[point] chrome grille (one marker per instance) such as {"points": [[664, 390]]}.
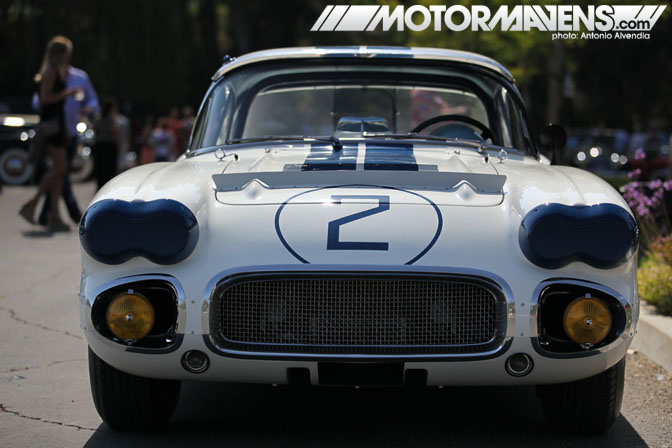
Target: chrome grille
{"points": [[357, 313]]}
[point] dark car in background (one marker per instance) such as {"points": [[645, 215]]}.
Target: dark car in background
{"points": [[17, 128], [601, 151], [613, 153], [18, 123]]}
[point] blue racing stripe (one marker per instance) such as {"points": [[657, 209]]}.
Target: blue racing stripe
{"points": [[390, 156], [324, 158]]}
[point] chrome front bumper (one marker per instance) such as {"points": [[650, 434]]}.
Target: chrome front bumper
{"points": [[226, 365]]}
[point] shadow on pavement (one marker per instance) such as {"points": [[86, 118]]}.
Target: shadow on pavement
{"points": [[44, 233], [249, 415]]}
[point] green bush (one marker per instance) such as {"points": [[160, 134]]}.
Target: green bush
{"points": [[655, 283], [662, 247]]}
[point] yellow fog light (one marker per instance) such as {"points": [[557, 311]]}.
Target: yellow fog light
{"points": [[587, 320], [130, 316]]}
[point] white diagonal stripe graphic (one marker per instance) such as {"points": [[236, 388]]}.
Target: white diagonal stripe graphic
{"points": [[334, 17], [627, 13], [357, 17], [646, 12], [656, 15], [323, 16]]}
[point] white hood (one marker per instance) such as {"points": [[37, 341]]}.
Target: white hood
{"points": [[444, 176]]}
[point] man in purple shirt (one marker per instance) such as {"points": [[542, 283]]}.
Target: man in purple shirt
{"points": [[76, 106]]}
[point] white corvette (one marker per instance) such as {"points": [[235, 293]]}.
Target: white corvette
{"points": [[360, 216]]}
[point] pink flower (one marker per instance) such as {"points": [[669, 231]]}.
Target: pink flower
{"points": [[640, 154], [667, 185], [655, 184], [635, 173]]}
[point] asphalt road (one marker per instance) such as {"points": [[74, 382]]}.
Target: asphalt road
{"points": [[45, 398]]}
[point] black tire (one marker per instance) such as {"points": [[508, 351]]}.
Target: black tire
{"points": [[15, 166], [128, 402], [588, 406]]}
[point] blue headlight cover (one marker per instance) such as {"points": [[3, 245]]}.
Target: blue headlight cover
{"points": [[113, 231], [602, 235]]}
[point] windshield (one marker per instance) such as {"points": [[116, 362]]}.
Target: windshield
{"points": [[283, 100]]}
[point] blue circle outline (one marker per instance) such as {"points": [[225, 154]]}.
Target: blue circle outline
{"points": [[422, 253]]}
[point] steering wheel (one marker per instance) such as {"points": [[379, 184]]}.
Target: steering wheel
{"points": [[486, 133]]}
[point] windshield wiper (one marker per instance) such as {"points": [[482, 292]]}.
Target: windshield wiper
{"points": [[335, 142], [411, 136], [481, 147], [265, 138]]}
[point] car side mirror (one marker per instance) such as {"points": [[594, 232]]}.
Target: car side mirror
{"points": [[552, 138]]}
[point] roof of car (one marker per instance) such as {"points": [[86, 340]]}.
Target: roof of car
{"points": [[432, 54]]}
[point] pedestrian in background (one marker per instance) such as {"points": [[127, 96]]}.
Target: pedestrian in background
{"points": [[145, 141], [124, 125], [163, 141], [108, 141], [175, 129], [83, 107], [52, 92], [188, 120]]}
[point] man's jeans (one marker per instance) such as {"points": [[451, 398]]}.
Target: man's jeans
{"points": [[68, 196]]}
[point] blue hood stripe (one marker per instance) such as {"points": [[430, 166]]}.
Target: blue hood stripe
{"points": [[378, 157], [324, 158], [390, 156]]}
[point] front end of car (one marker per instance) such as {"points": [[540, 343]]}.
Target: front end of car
{"points": [[359, 261], [253, 288]]}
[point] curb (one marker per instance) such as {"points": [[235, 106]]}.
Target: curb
{"points": [[654, 336]]}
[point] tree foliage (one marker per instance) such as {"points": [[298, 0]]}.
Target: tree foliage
{"points": [[159, 53]]}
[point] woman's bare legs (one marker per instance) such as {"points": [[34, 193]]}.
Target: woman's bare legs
{"points": [[58, 173], [52, 183]]}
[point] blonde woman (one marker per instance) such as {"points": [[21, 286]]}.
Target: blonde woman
{"points": [[53, 92]]}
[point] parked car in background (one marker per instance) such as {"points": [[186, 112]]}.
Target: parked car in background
{"points": [[613, 153], [17, 128], [360, 216], [601, 151]]}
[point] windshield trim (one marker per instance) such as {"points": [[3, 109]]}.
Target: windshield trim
{"points": [[475, 146], [359, 52], [533, 150]]}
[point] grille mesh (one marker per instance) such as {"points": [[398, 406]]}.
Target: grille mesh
{"points": [[357, 313]]}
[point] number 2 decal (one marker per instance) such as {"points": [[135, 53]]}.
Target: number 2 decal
{"points": [[334, 227]]}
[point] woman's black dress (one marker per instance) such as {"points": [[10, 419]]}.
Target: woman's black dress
{"points": [[55, 111]]}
